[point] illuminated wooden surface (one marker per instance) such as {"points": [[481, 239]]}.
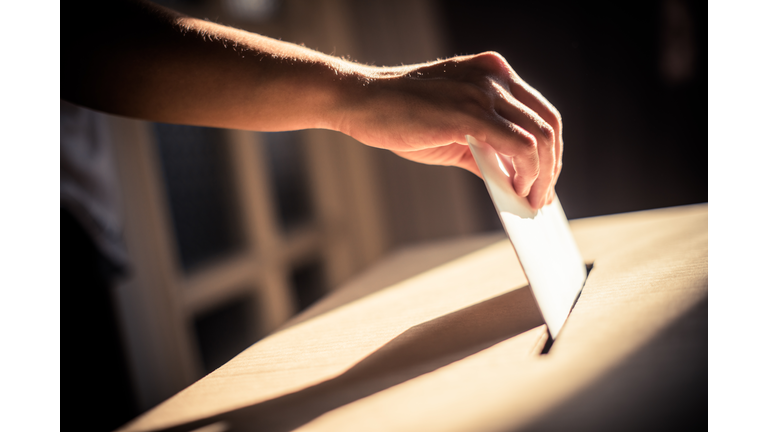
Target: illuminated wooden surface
{"points": [[456, 347]]}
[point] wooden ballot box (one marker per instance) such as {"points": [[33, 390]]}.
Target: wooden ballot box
{"points": [[447, 337]]}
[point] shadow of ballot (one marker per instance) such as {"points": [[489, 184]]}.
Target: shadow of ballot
{"points": [[419, 350]]}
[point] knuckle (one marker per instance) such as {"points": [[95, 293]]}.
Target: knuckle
{"points": [[494, 62], [536, 170], [489, 56], [527, 168], [493, 55], [549, 133], [551, 116], [529, 142]]}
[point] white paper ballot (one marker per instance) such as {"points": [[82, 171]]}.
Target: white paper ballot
{"points": [[542, 239]]}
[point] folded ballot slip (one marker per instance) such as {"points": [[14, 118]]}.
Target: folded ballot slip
{"points": [[542, 239]]}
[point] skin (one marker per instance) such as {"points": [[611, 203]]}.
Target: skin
{"points": [[144, 61]]}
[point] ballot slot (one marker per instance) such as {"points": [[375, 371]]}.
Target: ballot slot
{"points": [[550, 341]]}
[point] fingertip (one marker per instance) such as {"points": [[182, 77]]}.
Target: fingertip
{"points": [[533, 202], [534, 199], [522, 187]]}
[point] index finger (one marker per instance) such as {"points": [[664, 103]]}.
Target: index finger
{"points": [[519, 145]]}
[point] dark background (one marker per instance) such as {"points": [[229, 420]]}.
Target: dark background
{"points": [[629, 79]]}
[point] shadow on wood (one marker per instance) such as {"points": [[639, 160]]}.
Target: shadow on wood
{"points": [[409, 262], [417, 351]]}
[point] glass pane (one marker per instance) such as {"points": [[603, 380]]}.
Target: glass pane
{"points": [[308, 283], [200, 191], [290, 181], [224, 332]]}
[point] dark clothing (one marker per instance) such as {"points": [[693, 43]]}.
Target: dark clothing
{"points": [[88, 179], [95, 366]]}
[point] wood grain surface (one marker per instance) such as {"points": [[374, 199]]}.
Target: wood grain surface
{"points": [[447, 337]]}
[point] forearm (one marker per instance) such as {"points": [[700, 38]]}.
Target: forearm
{"points": [[150, 63], [139, 60]]}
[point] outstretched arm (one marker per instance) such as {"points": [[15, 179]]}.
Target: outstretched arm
{"points": [[136, 59]]}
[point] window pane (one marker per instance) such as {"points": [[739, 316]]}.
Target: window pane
{"points": [[308, 283], [200, 192], [224, 332], [290, 182]]}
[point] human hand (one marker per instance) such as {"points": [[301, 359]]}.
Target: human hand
{"points": [[201, 73], [423, 113]]}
